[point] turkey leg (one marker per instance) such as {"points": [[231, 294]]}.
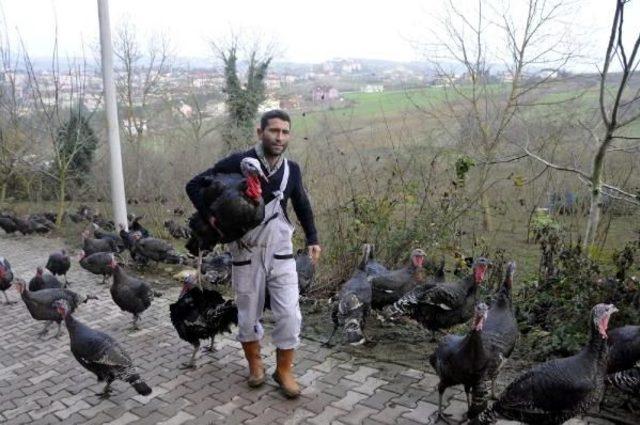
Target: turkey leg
{"points": [[57, 335], [44, 331], [191, 364], [210, 348], [106, 392], [7, 298]]}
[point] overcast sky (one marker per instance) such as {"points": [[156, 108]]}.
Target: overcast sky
{"points": [[306, 31]]}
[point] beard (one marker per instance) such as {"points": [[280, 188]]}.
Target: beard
{"points": [[273, 149]]}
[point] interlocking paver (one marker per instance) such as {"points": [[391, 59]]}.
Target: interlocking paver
{"points": [[42, 383]]}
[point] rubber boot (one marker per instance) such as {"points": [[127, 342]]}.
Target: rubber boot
{"points": [[256, 368], [284, 374]]}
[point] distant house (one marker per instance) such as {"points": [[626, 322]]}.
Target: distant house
{"points": [[290, 103], [324, 94], [268, 105], [372, 88]]}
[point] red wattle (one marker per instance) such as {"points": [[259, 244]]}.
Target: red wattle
{"points": [[254, 190]]}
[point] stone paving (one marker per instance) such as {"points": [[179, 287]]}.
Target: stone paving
{"points": [[41, 382]]}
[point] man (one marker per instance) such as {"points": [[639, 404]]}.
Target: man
{"points": [[269, 264]]}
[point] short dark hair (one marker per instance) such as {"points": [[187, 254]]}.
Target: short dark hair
{"points": [[274, 113]]}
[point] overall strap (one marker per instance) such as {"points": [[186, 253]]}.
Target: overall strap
{"points": [[285, 179]]}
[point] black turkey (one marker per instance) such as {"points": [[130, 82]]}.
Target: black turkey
{"points": [[627, 381], [462, 359], [177, 230], [305, 269], [130, 239], [6, 277], [499, 336], [155, 249], [624, 359], [100, 233], [98, 263], [129, 293], [8, 223], [234, 204], [557, 390], [624, 348], [442, 305], [43, 280], [40, 303], [100, 354], [354, 300], [369, 264], [216, 268], [91, 245], [389, 287], [201, 314], [59, 264]]}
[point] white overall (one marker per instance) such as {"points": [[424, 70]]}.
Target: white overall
{"points": [[271, 264]]}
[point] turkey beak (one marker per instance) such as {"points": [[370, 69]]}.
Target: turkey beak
{"points": [[264, 177]]}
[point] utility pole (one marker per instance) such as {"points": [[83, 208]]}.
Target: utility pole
{"points": [[118, 199]]}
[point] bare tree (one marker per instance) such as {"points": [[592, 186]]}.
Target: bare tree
{"points": [[480, 104], [618, 110], [142, 66], [57, 105], [13, 131]]}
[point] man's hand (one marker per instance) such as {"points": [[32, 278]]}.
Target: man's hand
{"points": [[314, 253]]}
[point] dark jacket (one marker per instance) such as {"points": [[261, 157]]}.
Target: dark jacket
{"points": [[294, 190]]}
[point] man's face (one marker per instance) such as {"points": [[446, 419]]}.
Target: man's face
{"points": [[275, 137]]}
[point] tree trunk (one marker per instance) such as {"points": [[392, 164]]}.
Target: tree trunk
{"points": [[595, 208], [487, 222], [61, 202], [3, 192]]}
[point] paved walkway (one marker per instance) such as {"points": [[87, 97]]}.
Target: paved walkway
{"points": [[41, 382]]}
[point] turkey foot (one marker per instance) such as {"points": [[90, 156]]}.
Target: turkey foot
{"points": [[440, 417], [59, 333], [191, 364], [210, 348], [106, 392], [44, 331]]}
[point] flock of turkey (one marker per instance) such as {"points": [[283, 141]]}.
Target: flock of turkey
{"points": [[548, 393]]}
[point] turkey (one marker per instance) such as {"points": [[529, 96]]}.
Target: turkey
{"points": [[177, 230], [40, 303], [624, 359], [501, 329], [462, 359], [305, 270], [442, 305], [156, 249], [354, 300], [6, 277], [91, 245], [8, 223], [235, 205], [99, 353], [624, 348], [59, 264], [135, 226], [98, 263], [100, 233], [43, 281], [369, 264], [627, 381], [389, 287], [130, 294], [40, 223], [557, 390], [201, 314], [216, 268], [129, 240]]}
